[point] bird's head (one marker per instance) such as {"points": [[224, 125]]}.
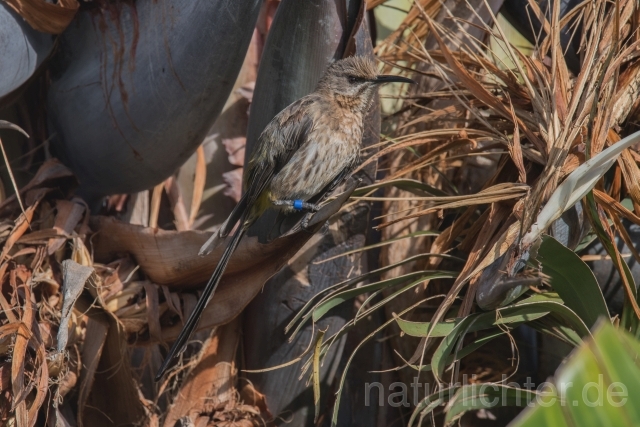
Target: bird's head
{"points": [[355, 80]]}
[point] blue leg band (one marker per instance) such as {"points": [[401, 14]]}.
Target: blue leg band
{"points": [[297, 204]]}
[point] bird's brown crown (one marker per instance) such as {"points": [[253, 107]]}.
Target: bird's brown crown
{"points": [[350, 80], [362, 67]]}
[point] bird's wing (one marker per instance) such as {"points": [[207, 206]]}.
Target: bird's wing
{"points": [[284, 134], [282, 137]]}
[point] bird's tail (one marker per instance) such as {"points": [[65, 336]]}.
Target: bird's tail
{"points": [[208, 292]]}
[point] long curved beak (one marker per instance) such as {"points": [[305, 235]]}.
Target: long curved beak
{"points": [[391, 79]]}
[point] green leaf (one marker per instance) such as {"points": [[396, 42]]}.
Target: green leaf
{"points": [[515, 315], [586, 241], [629, 320], [509, 314], [573, 280], [553, 326], [420, 329], [316, 374], [485, 396], [548, 416], [482, 321], [306, 312], [431, 402], [583, 391], [465, 351], [322, 308], [382, 303]]}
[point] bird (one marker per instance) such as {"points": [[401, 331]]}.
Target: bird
{"points": [[307, 150]]}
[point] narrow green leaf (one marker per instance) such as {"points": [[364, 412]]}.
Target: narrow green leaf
{"points": [[343, 296], [316, 374], [573, 280], [485, 396], [431, 402], [509, 314], [465, 351], [336, 406], [420, 329], [515, 314], [543, 416], [382, 303], [306, 312], [550, 325]]}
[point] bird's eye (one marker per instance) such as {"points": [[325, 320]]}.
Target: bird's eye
{"points": [[354, 79]]}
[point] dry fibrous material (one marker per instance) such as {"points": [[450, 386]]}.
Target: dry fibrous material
{"points": [[476, 151], [535, 122], [67, 323]]}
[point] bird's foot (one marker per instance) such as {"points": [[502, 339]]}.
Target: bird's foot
{"points": [[298, 205]]}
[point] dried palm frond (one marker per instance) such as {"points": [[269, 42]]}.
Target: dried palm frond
{"points": [[546, 119], [483, 153]]}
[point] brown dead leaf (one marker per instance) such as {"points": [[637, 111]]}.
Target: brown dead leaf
{"points": [[22, 225], [173, 301], [68, 216], [497, 215], [171, 258], [51, 173], [26, 417], [492, 194], [614, 206], [627, 92], [74, 276], [96, 334], [115, 396], [515, 149], [253, 397], [631, 174], [211, 383]]}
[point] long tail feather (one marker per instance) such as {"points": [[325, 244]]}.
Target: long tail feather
{"points": [[193, 319], [236, 215]]}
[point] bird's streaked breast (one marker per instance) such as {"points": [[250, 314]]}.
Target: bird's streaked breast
{"points": [[331, 146]]}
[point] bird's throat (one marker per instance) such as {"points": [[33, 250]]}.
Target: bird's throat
{"points": [[353, 103]]}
